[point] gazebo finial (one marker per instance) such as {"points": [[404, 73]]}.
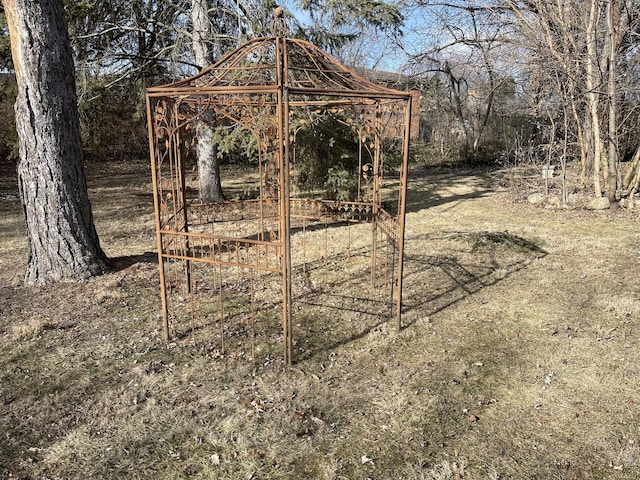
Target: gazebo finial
{"points": [[279, 26]]}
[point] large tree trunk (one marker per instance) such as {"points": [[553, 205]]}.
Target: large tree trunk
{"points": [[63, 243], [207, 151]]}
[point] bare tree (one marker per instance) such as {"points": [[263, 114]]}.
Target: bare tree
{"points": [[468, 52], [585, 42], [613, 30], [582, 51], [63, 242]]}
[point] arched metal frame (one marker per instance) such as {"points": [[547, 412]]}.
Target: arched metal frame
{"points": [[269, 86]]}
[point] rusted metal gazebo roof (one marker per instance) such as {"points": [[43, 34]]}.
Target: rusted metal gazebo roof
{"points": [[273, 62]]}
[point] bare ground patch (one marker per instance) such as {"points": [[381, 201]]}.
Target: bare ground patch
{"points": [[519, 358]]}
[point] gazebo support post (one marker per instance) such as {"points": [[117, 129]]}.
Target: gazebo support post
{"points": [[375, 200], [284, 196], [402, 209], [156, 210]]}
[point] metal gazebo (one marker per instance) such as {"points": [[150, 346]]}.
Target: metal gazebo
{"points": [[270, 88]]}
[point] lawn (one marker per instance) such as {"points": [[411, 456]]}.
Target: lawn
{"points": [[519, 357]]}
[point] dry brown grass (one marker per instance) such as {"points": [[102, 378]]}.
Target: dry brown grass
{"points": [[519, 358]]}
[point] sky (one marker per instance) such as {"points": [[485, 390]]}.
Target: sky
{"points": [[379, 54]]}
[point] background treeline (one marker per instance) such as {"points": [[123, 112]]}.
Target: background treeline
{"points": [[502, 82], [534, 82]]}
